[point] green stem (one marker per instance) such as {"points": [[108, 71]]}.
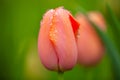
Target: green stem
{"points": [[60, 76]]}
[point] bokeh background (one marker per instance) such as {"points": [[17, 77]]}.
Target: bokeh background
{"points": [[19, 27]]}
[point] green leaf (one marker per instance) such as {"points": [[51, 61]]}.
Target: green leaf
{"points": [[112, 18], [113, 26]]}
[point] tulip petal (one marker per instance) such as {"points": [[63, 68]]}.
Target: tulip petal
{"points": [[98, 19], [75, 24], [45, 47], [64, 40]]}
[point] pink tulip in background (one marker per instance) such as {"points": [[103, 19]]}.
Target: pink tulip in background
{"points": [[90, 46], [56, 42]]}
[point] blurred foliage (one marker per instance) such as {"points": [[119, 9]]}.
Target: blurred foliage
{"points": [[19, 27]]}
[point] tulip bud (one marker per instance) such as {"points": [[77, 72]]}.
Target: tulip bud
{"points": [[56, 42], [90, 46]]}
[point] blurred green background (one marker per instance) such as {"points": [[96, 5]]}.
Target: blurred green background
{"points": [[19, 27]]}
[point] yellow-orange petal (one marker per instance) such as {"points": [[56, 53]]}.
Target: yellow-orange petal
{"points": [[98, 19]]}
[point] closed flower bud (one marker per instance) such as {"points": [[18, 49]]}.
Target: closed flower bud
{"points": [[56, 42], [90, 46]]}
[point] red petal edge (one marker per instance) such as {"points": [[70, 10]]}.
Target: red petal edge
{"points": [[74, 23]]}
